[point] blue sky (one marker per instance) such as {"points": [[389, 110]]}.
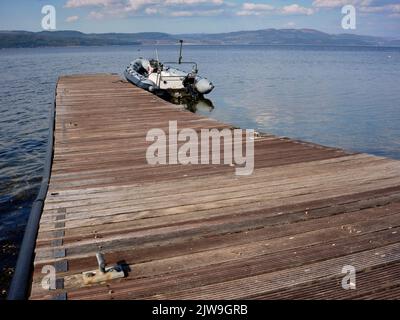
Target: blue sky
{"points": [[374, 17]]}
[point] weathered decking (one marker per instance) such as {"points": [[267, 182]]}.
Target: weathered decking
{"points": [[200, 232]]}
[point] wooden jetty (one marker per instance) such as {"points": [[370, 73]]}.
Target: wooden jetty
{"points": [[200, 231]]}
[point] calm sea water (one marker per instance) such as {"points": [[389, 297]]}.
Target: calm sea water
{"points": [[344, 97]]}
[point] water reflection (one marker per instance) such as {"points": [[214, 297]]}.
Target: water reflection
{"points": [[201, 105]]}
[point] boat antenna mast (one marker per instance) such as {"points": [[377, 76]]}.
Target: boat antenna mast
{"points": [[180, 52]]}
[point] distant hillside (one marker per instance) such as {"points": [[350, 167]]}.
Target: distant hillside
{"points": [[289, 37], [24, 39]]}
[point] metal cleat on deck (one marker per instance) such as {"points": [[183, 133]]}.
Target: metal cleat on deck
{"points": [[103, 274]]}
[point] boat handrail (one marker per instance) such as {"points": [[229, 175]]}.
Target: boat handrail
{"points": [[174, 62]]}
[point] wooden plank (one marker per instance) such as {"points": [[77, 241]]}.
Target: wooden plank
{"points": [[199, 231]]}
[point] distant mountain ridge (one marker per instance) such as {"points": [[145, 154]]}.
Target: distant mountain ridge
{"points": [[26, 39]]}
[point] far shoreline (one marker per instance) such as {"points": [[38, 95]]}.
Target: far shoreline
{"points": [[209, 45]]}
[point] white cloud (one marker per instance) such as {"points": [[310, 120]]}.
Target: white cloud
{"points": [[340, 3], [95, 15], [248, 13], [192, 2], [257, 9], [188, 8], [135, 5], [72, 19], [296, 9], [393, 10], [201, 13], [129, 5], [372, 9], [88, 3], [364, 6], [254, 9], [176, 8], [151, 11], [182, 14]]}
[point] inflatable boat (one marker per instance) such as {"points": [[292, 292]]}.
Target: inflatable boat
{"points": [[159, 78]]}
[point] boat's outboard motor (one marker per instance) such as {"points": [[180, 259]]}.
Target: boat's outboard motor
{"points": [[189, 82], [196, 85]]}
